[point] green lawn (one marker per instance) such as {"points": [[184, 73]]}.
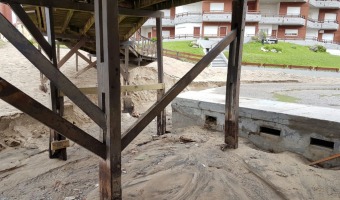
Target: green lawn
{"points": [[182, 46], [292, 54]]}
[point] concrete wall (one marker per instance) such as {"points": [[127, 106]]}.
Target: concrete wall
{"points": [[274, 126]]}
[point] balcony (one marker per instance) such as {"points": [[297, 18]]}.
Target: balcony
{"points": [[217, 16], [297, 20], [188, 17], [166, 22], [335, 4], [253, 16], [323, 25], [226, 16]]}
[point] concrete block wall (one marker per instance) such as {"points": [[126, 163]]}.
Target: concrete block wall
{"points": [[313, 132]]}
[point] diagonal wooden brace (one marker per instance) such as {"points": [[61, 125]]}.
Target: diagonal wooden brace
{"points": [[152, 112], [47, 68], [36, 110], [72, 51]]}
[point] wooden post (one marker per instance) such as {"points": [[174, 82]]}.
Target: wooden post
{"points": [[127, 102], [161, 118], [234, 72], [58, 51], [77, 62], [57, 102], [108, 66]]}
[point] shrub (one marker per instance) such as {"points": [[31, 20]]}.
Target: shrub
{"points": [[154, 39], [317, 48], [273, 48], [206, 38]]}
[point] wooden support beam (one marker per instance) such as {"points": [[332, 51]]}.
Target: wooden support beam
{"points": [[135, 28], [88, 25], [234, 73], [67, 20], [72, 51], [325, 159], [147, 3], [47, 68], [67, 4], [73, 5], [152, 112], [108, 71], [79, 54], [92, 64], [161, 118], [57, 102], [36, 110], [34, 31], [140, 13]]}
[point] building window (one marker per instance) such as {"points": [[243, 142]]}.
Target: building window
{"points": [[293, 10], [216, 7], [291, 32], [330, 17]]}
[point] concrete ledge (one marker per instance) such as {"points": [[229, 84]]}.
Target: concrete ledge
{"points": [[311, 131]]}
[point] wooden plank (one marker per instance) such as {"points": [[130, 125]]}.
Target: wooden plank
{"points": [[47, 68], [108, 58], [88, 25], [135, 88], [325, 159], [124, 88], [34, 31], [67, 20], [36, 110], [234, 73], [152, 112], [161, 118], [62, 144]]}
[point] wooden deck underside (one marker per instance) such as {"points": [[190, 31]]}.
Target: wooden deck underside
{"points": [[72, 24]]}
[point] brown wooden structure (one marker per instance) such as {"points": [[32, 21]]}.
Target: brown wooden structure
{"points": [[101, 27]]}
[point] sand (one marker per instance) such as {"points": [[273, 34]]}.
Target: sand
{"points": [[152, 168]]}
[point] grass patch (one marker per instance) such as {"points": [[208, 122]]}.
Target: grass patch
{"points": [[285, 98], [182, 46], [292, 54]]}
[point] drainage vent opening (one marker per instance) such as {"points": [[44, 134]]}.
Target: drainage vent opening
{"points": [[270, 131], [322, 143], [210, 121]]}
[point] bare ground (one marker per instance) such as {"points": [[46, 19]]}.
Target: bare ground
{"points": [[153, 167]]}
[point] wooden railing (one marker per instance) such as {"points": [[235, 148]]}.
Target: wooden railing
{"points": [[182, 55], [143, 45]]}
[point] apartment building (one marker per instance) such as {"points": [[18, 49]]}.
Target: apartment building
{"points": [[283, 19], [6, 11]]}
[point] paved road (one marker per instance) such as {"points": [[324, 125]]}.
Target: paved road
{"points": [[319, 94]]}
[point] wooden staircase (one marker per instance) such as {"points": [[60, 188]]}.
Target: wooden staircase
{"points": [[141, 49]]}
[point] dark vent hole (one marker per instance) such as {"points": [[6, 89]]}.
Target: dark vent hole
{"points": [[210, 121], [270, 131], [322, 143]]}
